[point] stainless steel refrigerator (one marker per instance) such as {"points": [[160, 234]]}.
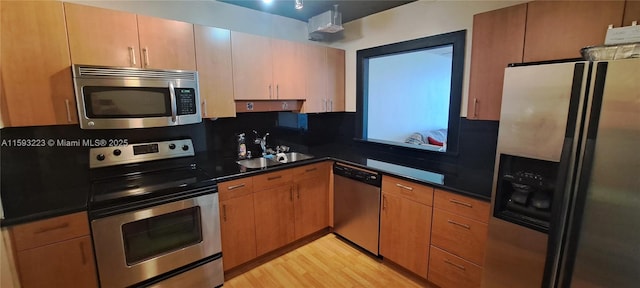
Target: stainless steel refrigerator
{"points": [[566, 193]]}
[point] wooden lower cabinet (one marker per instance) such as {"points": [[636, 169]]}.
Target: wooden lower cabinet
{"points": [[448, 270], [405, 228], [237, 226], [311, 203], [55, 252], [274, 216], [63, 264]]}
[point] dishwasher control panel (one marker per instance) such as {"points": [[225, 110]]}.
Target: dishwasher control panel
{"points": [[369, 177]]}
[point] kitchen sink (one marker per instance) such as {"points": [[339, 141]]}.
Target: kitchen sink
{"points": [[257, 162], [273, 160], [293, 157]]}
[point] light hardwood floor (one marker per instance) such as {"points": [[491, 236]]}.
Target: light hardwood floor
{"points": [[326, 262]]}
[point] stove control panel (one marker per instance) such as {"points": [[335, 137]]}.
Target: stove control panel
{"points": [[139, 152]]}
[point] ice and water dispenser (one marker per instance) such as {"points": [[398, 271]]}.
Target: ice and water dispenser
{"points": [[525, 191]]}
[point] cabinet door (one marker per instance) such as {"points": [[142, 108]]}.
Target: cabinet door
{"points": [[36, 75], [252, 67], [166, 44], [631, 12], [312, 200], [237, 228], [213, 59], [274, 218], [559, 29], [63, 264], [102, 37], [335, 83], [490, 55], [405, 227], [289, 73], [317, 77]]}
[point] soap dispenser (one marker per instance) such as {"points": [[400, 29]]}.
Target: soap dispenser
{"points": [[242, 147]]}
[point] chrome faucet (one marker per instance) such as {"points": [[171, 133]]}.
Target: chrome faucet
{"points": [[262, 141]]}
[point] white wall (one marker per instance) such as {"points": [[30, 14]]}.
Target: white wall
{"points": [[212, 13], [414, 20]]}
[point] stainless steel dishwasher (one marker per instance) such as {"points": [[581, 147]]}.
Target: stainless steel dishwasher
{"points": [[357, 206]]}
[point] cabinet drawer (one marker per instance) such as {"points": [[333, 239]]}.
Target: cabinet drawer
{"points": [[459, 235], [449, 271], [270, 180], [461, 205], [408, 189], [311, 171], [235, 188], [49, 231]]}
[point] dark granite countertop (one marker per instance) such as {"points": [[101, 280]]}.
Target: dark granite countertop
{"points": [[53, 193]]}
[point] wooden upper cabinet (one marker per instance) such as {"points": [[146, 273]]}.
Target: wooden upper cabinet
{"points": [[113, 38], [102, 37], [559, 29], [317, 77], [631, 12], [36, 75], [289, 78], [213, 59], [498, 39], [166, 44], [335, 77], [252, 66]]}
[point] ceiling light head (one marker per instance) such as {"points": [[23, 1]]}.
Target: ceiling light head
{"points": [[299, 4], [267, 1]]}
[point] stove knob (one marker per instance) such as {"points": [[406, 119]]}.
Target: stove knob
{"points": [[100, 157], [117, 152], [172, 146], [185, 147]]}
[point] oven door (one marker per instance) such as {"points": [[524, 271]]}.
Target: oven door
{"points": [[139, 245]]}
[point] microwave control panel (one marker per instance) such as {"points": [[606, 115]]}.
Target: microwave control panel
{"points": [[186, 101]]}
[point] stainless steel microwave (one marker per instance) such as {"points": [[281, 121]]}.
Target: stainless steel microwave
{"points": [[120, 98]]}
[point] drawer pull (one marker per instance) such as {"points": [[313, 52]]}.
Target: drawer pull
{"points": [[291, 194], [235, 186], [274, 177], [47, 229], [84, 257], [404, 187], [454, 264], [454, 201], [311, 169], [459, 224]]}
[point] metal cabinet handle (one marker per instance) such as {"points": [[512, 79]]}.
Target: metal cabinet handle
{"points": [[66, 103], [82, 254], [325, 103], [454, 264], [291, 194], [204, 107], [454, 201], [330, 105], [274, 177], [311, 169], [384, 202], [404, 187], [270, 94], [459, 224], [47, 229], [235, 186], [475, 106], [277, 91], [174, 107], [145, 53], [298, 191], [132, 52], [224, 212]]}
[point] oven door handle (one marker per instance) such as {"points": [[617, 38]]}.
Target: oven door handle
{"points": [[174, 105]]}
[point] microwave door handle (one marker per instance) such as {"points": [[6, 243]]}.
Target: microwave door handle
{"points": [[174, 108]]}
